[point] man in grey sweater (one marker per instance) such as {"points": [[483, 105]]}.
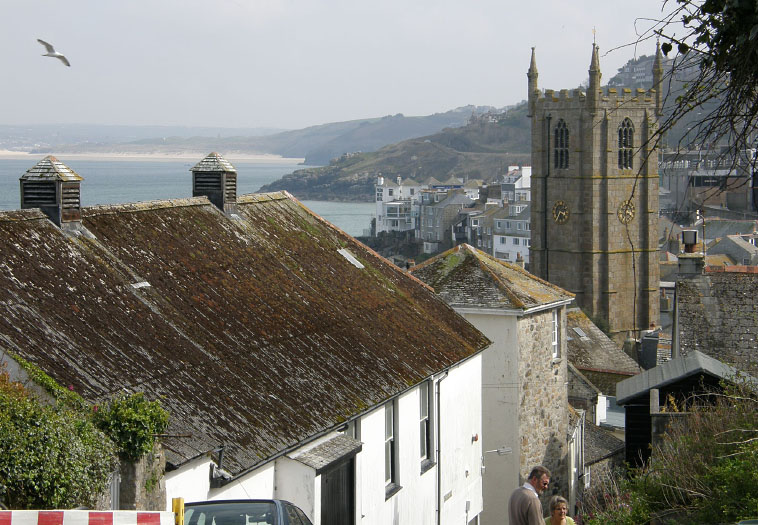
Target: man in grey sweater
{"points": [[524, 507]]}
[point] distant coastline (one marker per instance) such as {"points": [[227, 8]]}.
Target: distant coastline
{"points": [[248, 157]]}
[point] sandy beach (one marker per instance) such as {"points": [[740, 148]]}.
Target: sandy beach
{"points": [[244, 157]]}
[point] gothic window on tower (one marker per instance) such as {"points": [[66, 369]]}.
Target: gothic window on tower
{"points": [[626, 144], [561, 145]]}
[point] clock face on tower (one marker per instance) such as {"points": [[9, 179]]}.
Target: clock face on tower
{"points": [[560, 212], [626, 212]]}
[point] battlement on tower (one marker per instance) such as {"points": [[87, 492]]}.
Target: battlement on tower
{"points": [[609, 97]]}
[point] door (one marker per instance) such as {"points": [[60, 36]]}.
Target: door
{"points": [[338, 494]]}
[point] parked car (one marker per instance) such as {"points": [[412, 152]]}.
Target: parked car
{"points": [[244, 512]]}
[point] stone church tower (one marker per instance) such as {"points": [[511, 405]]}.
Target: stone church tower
{"points": [[594, 213]]}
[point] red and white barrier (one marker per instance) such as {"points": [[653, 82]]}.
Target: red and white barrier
{"points": [[85, 517]]}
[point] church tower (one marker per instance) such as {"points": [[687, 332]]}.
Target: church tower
{"points": [[594, 215]]}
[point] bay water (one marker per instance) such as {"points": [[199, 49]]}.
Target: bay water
{"points": [[117, 181]]}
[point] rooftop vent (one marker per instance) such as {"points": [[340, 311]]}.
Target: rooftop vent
{"points": [[54, 188], [214, 177]]}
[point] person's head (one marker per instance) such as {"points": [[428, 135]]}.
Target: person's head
{"points": [[558, 508], [539, 478]]}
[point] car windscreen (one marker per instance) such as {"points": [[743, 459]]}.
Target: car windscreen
{"points": [[242, 513]]}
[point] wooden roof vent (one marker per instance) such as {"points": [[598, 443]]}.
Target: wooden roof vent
{"points": [[55, 189], [214, 177]]}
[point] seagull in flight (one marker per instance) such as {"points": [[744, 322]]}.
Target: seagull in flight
{"points": [[51, 52]]}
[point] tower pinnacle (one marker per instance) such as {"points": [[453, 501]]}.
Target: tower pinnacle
{"points": [[532, 84]]}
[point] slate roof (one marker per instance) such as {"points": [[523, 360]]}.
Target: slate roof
{"points": [[51, 168], [722, 227], [718, 315], [214, 162], [675, 370], [593, 353], [599, 444], [254, 333], [466, 277], [452, 200]]}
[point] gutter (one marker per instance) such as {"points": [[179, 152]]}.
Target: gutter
{"points": [[544, 202], [438, 396]]}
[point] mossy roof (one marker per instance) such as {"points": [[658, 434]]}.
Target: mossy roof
{"points": [[595, 354], [466, 277], [254, 332]]}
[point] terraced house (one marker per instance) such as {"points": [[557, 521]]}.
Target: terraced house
{"points": [[294, 361]]}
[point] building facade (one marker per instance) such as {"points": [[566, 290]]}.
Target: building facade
{"points": [[594, 203]]}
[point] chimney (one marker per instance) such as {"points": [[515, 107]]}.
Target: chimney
{"points": [[399, 180], [214, 177], [691, 262], [54, 188]]}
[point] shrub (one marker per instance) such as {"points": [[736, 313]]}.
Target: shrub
{"points": [[133, 423], [50, 456]]}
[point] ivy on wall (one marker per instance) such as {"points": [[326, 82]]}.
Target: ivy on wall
{"points": [[132, 422], [50, 456], [61, 455]]}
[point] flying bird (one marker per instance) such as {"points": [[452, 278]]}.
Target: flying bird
{"points": [[51, 52]]}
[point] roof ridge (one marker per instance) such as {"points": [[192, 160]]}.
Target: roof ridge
{"points": [[158, 204]]}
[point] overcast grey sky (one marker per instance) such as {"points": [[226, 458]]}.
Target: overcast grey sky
{"points": [[294, 63]]}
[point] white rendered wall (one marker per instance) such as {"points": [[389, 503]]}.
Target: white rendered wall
{"points": [[500, 422], [416, 502], [461, 442], [297, 484], [191, 481], [257, 484]]}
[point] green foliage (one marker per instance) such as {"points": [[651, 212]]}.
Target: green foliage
{"points": [[718, 55], [63, 395], [50, 457], [132, 422], [705, 470]]}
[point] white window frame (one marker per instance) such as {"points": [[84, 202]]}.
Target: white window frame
{"points": [[555, 346], [390, 444]]}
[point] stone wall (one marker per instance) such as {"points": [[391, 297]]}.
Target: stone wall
{"points": [[543, 401], [718, 316], [142, 483]]}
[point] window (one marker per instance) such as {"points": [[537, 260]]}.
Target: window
{"points": [[508, 224], [527, 242], [527, 225], [425, 426], [515, 241], [389, 192], [413, 191], [626, 144], [518, 225], [499, 224], [561, 145], [390, 447], [474, 222], [556, 354], [502, 240]]}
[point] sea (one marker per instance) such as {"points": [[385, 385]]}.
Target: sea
{"points": [[117, 181]]}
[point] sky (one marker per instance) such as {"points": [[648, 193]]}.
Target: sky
{"points": [[296, 63]]}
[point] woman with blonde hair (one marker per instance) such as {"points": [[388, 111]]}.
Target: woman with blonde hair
{"points": [[558, 510]]}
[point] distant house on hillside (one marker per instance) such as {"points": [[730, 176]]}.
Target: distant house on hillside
{"points": [[295, 363], [524, 396], [739, 251]]}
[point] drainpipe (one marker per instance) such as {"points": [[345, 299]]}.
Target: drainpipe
{"points": [[544, 202], [439, 448]]}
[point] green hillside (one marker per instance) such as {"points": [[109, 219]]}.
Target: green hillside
{"points": [[482, 149]]}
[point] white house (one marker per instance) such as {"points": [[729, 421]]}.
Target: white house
{"points": [[294, 361], [524, 371]]}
